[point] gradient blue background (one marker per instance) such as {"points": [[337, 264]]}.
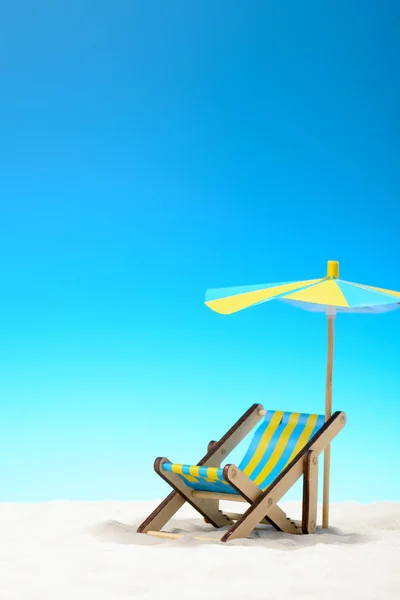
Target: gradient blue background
{"points": [[151, 150]]}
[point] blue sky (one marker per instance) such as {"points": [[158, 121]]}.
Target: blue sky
{"points": [[149, 151]]}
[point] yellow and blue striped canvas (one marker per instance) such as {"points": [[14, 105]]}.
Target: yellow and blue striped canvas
{"points": [[278, 439]]}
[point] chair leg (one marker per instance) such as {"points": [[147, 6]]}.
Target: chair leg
{"points": [[263, 506], [163, 513], [251, 492], [310, 492], [210, 446]]}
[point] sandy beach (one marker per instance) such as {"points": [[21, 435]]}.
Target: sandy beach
{"points": [[91, 551]]}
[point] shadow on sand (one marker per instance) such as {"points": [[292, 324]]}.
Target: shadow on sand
{"points": [[115, 532]]}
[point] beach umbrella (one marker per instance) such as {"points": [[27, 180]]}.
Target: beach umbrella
{"points": [[329, 295]]}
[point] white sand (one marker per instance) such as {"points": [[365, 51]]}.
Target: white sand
{"points": [[90, 551]]}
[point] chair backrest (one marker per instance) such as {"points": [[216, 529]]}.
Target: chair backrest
{"points": [[276, 442]]}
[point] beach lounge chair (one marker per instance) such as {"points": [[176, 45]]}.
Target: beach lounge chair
{"points": [[284, 447]]}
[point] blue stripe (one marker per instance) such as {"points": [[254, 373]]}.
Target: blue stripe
{"points": [[203, 472], [360, 297], [318, 425], [256, 440], [186, 469], [290, 447], [215, 486], [271, 446]]}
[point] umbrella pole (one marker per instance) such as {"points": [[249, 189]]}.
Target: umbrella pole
{"points": [[328, 413]]}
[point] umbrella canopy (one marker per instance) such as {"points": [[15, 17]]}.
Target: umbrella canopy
{"points": [[316, 295], [330, 295]]}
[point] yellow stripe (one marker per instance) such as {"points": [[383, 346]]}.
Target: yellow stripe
{"points": [[175, 468], [231, 304], [327, 292], [189, 478], [279, 448], [304, 437], [263, 444], [212, 474], [194, 471]]}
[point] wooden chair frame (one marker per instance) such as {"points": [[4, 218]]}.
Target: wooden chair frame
{"points": [[263, 503]]}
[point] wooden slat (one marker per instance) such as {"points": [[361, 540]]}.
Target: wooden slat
{"points": [[217, 496], [236, 516], [175, 536], [310, 492], [165, 534]]}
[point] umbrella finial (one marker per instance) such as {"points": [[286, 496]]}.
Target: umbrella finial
{"points": [[333, 269]]}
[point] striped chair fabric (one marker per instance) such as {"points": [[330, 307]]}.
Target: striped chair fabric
{"points": [[279, 438]]}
